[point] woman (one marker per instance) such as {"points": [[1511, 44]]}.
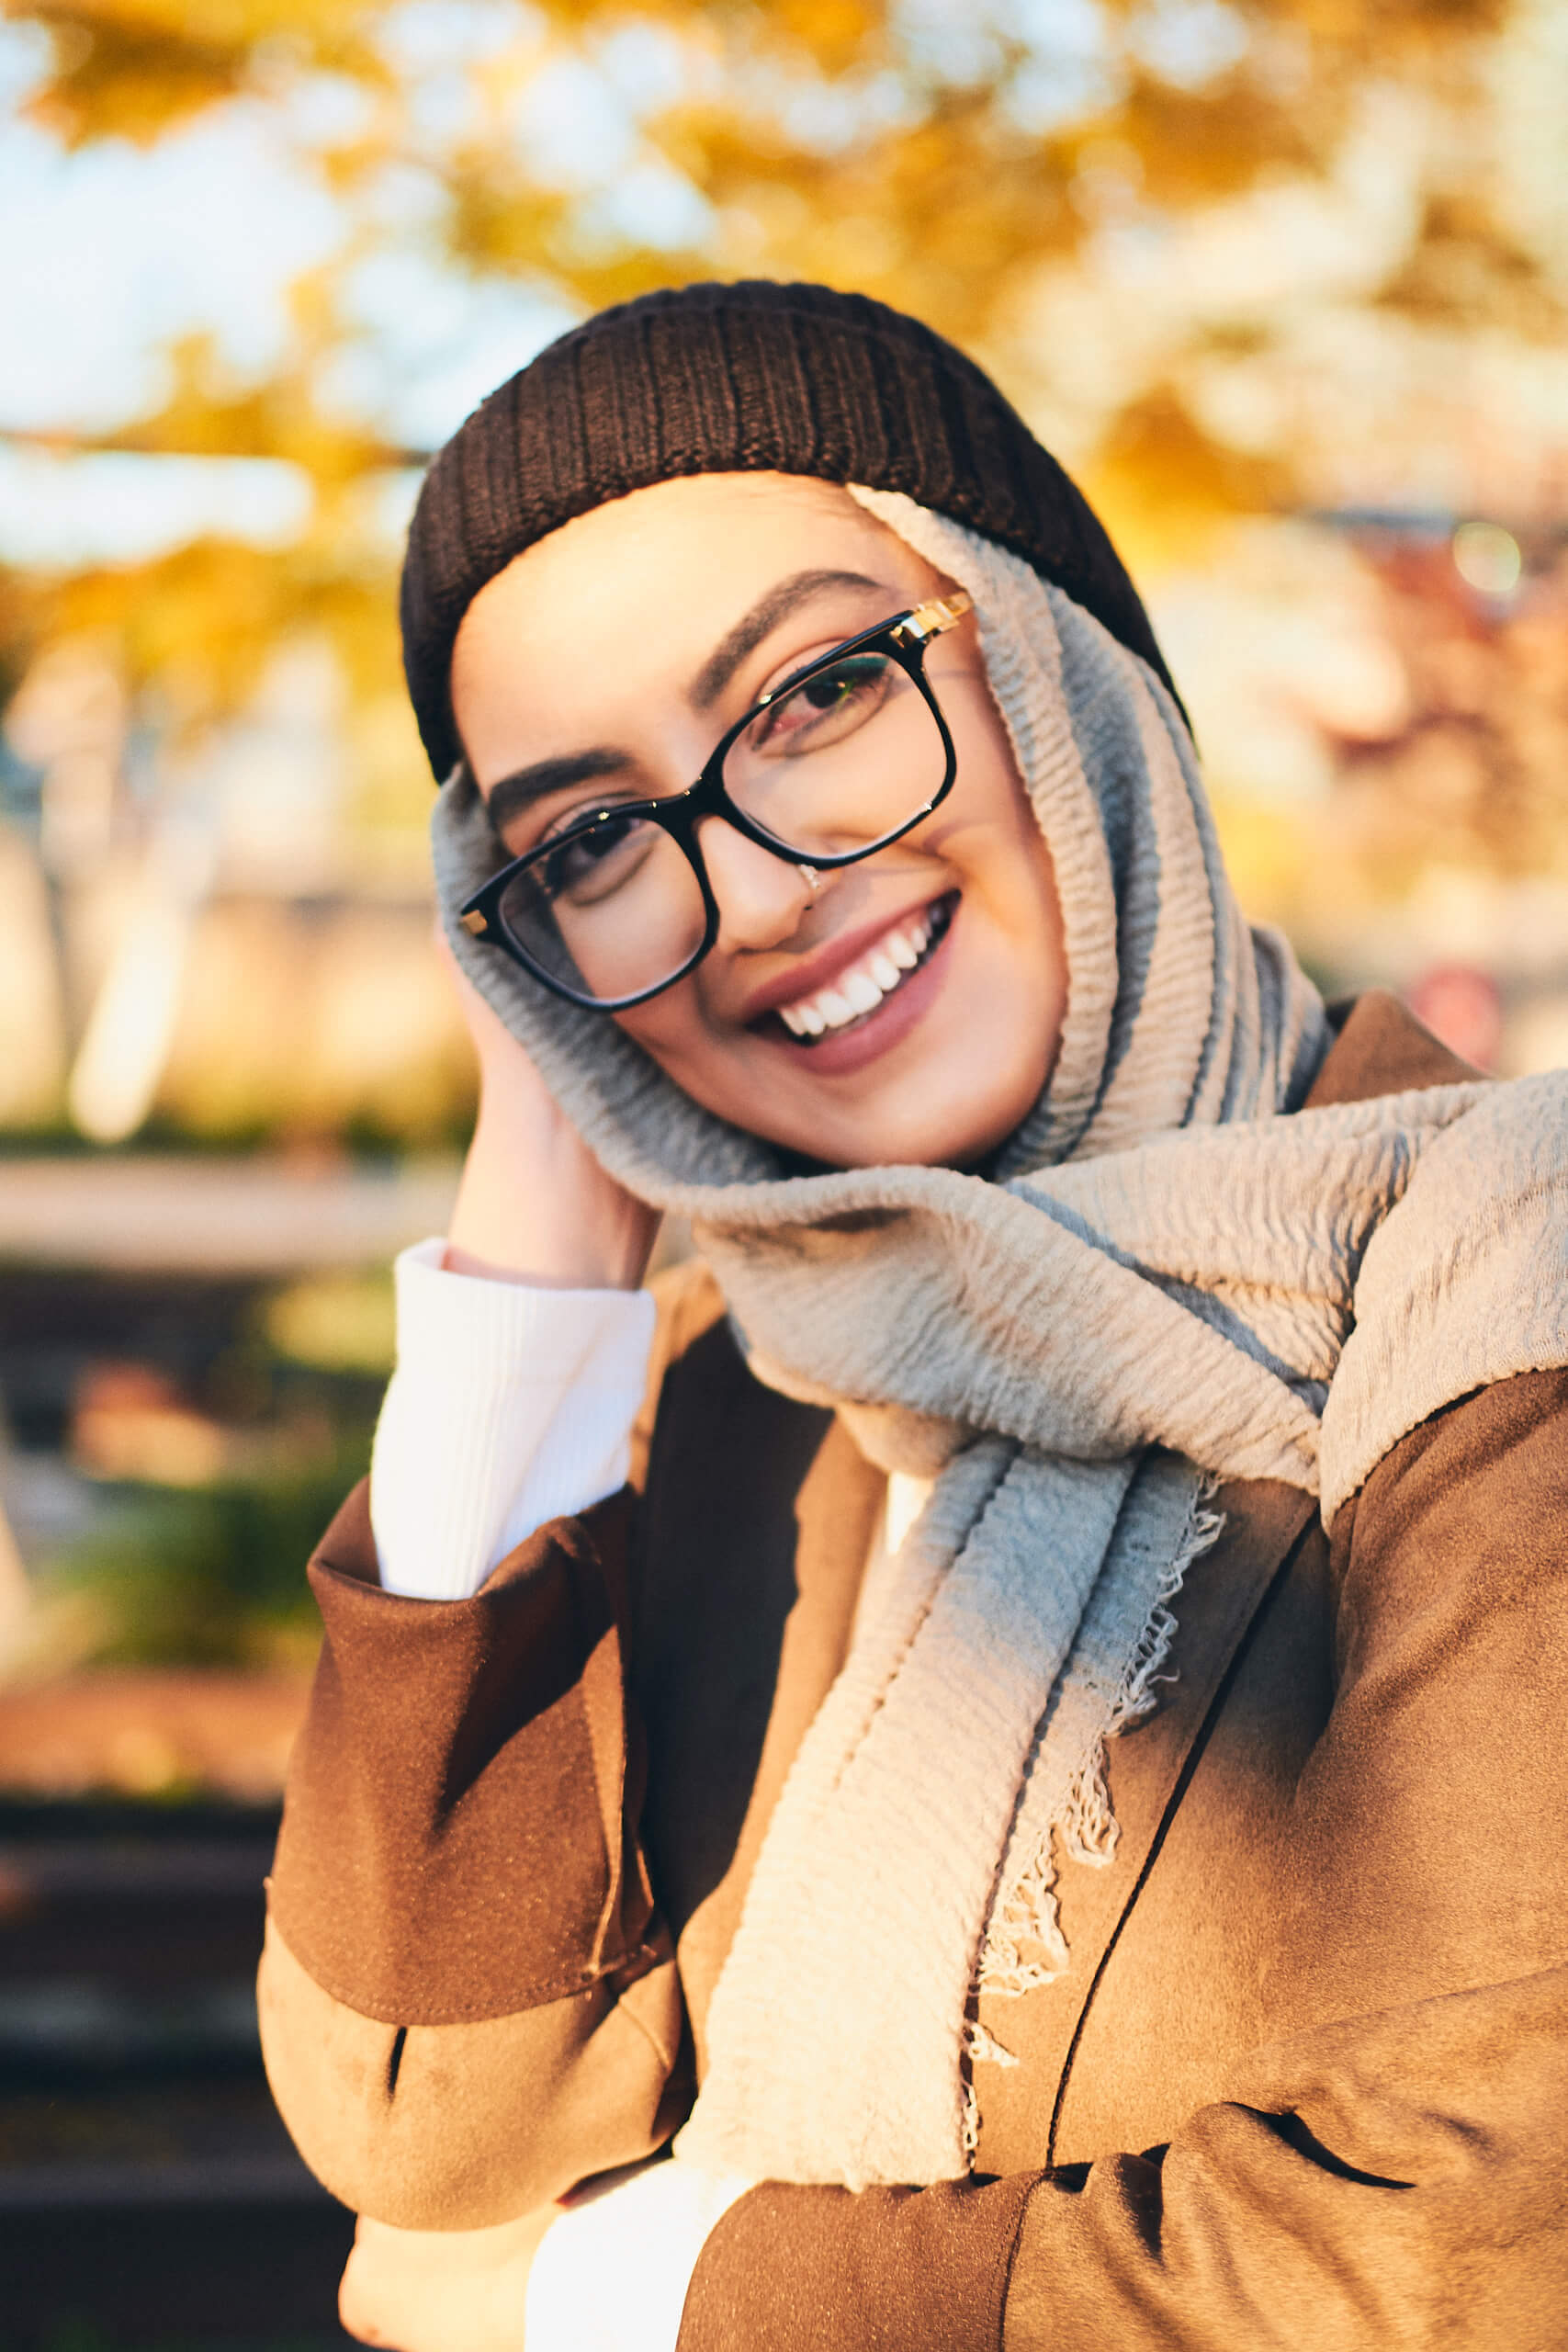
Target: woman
{"points": [[1035, 1754]]}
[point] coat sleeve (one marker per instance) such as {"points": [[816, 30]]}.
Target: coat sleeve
{"points": [[469, 2000], [1396, 2173]]}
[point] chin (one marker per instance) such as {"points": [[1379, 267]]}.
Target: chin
{"points": [[924, 1139], [947, 1116]]}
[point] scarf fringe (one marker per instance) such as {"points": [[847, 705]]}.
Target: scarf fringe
{"points": [[1024, 1946], [980, 2047]]}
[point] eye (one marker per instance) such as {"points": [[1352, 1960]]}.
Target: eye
{"points": [[826, 706], [548, 819], [596, 858]]}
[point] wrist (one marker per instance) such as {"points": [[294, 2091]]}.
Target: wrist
{"points": [[534, 1206], [543, 1269]]}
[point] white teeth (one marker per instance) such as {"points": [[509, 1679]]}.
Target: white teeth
{"points": [[862, 990]]}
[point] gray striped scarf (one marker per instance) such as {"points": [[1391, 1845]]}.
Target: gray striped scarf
{"points": [[1162, 1283]]}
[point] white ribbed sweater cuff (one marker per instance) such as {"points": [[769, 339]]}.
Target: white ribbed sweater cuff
{"points": [[509, 1407]]}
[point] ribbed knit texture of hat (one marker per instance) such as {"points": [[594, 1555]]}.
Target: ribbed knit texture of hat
{"points": [[750, 377]]}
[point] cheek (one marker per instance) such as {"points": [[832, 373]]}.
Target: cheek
{"points": [[990, 836], [1020, 970], [674, 1030]]}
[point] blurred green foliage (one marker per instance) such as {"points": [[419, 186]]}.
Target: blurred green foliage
{"points": [[207, 1576]]}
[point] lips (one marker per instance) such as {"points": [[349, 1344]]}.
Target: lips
{"points": [[807, 974], [844, 1052], [877, 972]]}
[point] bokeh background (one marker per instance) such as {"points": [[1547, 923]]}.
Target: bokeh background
{"points": [[1284, 282]]}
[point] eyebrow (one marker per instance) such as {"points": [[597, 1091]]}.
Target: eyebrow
{"points": [[506, 798], [764, 617], [511, 794]]}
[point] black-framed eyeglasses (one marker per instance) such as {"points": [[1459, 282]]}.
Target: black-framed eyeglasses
{"points": [[839, 760]]}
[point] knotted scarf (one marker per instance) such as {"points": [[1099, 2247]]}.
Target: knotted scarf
{"points": [[1162, 1283]]}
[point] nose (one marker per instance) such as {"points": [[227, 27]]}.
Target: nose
{"points": [[761, 896]]}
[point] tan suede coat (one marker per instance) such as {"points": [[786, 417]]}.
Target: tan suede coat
{"points": [[1305, 2082]]}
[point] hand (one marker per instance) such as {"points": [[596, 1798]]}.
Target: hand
{"points": [[535, 1205], [440, 2290]]}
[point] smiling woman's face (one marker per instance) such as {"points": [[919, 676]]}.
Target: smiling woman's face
{"points": [[638, 633]]}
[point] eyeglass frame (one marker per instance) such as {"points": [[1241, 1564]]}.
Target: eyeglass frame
{"points": [[905, 636]]}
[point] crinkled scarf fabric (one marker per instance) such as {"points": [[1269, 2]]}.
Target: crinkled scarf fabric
{"points": [[1163, 1283]]}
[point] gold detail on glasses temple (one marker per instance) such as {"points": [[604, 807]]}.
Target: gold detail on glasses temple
{"points": [[929, 620], [476, 922]]}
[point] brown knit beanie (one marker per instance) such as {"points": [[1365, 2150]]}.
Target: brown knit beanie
{"points": [[752, 377]]}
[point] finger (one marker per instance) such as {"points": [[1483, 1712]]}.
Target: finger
{"points": [[359, 2305], [451, 2291], [388, 2296], [493, 1039]]}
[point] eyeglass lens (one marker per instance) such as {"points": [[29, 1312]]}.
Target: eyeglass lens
{"points": [[832, 769]]}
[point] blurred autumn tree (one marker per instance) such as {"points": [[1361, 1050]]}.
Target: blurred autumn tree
{"points": [[988, 166]]}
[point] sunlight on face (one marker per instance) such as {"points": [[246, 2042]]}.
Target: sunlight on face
{"points": [[905, 1008]]}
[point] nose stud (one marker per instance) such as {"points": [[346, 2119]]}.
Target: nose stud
{"points": [[809, 876]]}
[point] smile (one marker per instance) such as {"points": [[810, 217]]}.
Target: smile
{"points": [[883, 968]]}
